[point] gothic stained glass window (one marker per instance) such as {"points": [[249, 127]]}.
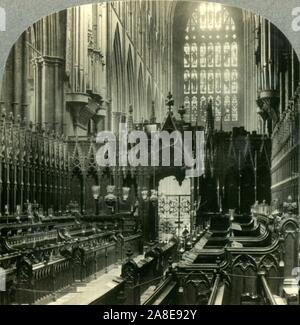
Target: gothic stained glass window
{"points": [[218, 53], [187, 82], [187, 105], [194, 105], [218, 107], [187, 57], [194, 55], [203, 82], [227, 108], [203, 55], [194, 81], [211, 63]]}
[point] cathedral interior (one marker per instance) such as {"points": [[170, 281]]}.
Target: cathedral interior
{"points": [[73, 232]]}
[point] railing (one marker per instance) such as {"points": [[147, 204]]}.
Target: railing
{"points": [[266, 291], [161, 293], [214, 291]]}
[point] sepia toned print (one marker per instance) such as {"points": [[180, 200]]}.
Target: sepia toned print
{"points": [[149, 155]]}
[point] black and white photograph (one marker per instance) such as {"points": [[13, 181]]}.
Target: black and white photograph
{"points": [[149, 156]]}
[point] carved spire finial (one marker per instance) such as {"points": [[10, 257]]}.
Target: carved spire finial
{"points": [[153, 117], [170, 102], [130, 118]]}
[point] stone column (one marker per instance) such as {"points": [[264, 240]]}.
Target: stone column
{"points": [[49, 72], [116, 121], [17, 78]]}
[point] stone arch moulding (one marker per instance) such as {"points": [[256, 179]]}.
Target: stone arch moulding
{"points": [[130, 81], [27, 17], [117, 69], [141, 93]]}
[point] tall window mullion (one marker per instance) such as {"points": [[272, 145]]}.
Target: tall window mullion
{"points": [[217, 79], [199, 82]]}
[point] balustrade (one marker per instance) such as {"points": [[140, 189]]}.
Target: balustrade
{"points": [[265, 289]]}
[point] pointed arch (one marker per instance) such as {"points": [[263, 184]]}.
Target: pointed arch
{"points": [[139, 27], [267, 263], [141, 94], [130, 82], [156, 105], [117, 73]]}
